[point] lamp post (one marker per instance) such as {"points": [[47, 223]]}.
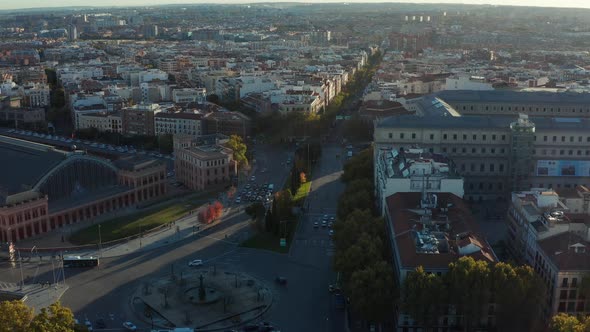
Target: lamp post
{"points": [[99, 242]]}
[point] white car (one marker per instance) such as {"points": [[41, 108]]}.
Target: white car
{"points": [[129, 326], [252, 178], [196, 262], [88, 325], [238, 200]]}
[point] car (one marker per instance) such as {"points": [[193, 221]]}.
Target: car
{"points": [[333, 289], [331, 232], [330, 224], [129, 326], [316, 224], [324, 223], [100, 323], [252, 178], [88, 325], [238, 200], [196, 262], [332, 219], [281, 280], [325, 217]]}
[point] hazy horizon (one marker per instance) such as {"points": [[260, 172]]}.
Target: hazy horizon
{"points": [[28, 4]]}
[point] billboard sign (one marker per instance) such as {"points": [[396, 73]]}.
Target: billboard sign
{"points": [[563, 168]]}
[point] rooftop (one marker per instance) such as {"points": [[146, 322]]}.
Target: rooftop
{"points": [[568, 251], [414, 162], [511, 96], [434, 231], [24, 163]]}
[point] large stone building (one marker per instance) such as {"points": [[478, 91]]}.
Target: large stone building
{"points": [[201, 164], [42, 188], [551, 233], [179, 122], [227, 123], [499, 154]]}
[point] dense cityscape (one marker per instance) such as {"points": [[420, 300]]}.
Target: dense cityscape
{"points": [[337, 167]]}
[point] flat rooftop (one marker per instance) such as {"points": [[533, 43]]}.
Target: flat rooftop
{"points": [[515, 97]]}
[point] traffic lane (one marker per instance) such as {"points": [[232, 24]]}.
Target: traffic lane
{"points": [[305, 292], [100, 290]]}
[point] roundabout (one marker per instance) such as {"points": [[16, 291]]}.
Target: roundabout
{"points": [[204, 299]]}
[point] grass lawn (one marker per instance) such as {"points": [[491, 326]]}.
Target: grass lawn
{"points": [[121, 227], [301, 193], [268, 241]]}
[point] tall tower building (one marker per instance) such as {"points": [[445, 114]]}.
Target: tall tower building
{"points": [[72, 32]]}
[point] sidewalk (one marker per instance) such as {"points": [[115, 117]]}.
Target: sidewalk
{"points": [[37, 296]]}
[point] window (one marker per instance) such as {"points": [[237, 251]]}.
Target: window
{"points": [[401, 135], [563, 138], [464, 137], [474, 137], [574, 282], [563, 295], [413, 135], [492, 150], [444, 149], [483, 137], [573, 294], [564, 282], [561, 152], [480, 186], [463, 167], [579, 138], [554, 138], [444, 136], [431, 137], [472, 150], [472, 167], [561, 307], [501, 167], [464, 150], [482, 167], [492, 166], [544, 138], [503, 137], [483, 150], [454, 150], [570, 306], [455, 136], [493, 137]]}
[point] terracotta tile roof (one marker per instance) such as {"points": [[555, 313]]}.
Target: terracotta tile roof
{"points": [[463, 230], [561, 249]]}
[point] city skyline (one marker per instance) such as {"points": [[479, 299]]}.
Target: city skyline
{"points": [[29, 4]]}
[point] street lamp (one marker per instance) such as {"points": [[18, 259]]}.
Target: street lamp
{"points": [[99, 242]]}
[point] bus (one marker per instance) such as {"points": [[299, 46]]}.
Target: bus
{"points": [[77, 261]]}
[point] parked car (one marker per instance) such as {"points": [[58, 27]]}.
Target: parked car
{"points": [[331, 232], [100, 323], [316, 224], [195, 263], [129, 326]]}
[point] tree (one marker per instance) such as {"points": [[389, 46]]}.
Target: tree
{"points": [[565, 323], [15, 317], [366, 251], [372, 291], [359, 166], [519, 296], [424, 297], [213, 98], [236, 144], [469, 289], [302, 178], [218, 209], [53, 319], [351, 200]]}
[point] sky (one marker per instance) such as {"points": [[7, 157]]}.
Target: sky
{"points": [[11, 4]]}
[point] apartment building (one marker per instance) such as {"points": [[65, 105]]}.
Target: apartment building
{"points": [[227, 123], [189, 95], [432, 230], [102, 121], [202, 167], [139, 119], [550, 231], [500, 154], [413, 170], [179, 122]]}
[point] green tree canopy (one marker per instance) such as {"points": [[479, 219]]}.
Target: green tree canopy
{"points": [[15, 316], [359, 166], [424, 296], [372, 292], [565, 323]]}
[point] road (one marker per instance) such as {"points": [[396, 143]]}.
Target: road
{"points": [[104, 292]]}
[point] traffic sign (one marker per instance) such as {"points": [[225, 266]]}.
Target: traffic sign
{"points": [[283, 242]]}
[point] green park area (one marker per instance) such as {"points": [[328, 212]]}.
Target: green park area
{"points": [[129, 225]]}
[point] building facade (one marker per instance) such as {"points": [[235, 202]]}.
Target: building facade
{"points": [[500, 154], [202, 167], [103, 121], [44, 189], [139, 119], [551, 233], [189, 123]]}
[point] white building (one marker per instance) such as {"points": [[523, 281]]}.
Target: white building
{"points": [[35, 94], [468, 83], [189, 95], [413, 170], [152, 75]]}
